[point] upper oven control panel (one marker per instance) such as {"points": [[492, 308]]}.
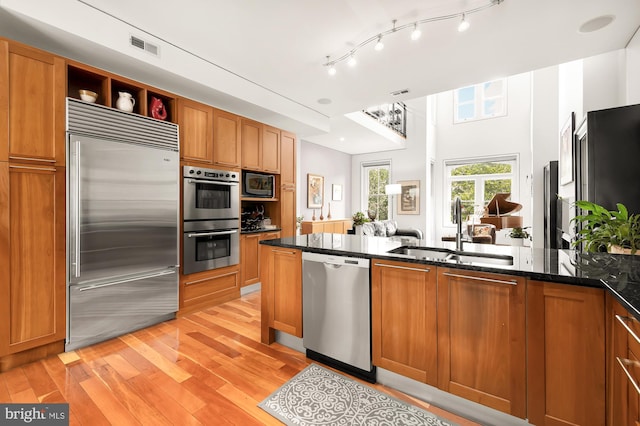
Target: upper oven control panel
{"points": [[210, 174]]}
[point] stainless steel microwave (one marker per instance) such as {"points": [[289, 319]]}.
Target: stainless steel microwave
{"points": [[258, 185]]}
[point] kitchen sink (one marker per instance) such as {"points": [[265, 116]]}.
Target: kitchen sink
{"points": [[452, 256], [422, 253]]}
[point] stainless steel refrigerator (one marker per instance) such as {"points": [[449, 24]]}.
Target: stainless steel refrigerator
{"points": [[122, 233]]}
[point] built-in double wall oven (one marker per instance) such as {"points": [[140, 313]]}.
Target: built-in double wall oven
{"points": [[211, 213]]}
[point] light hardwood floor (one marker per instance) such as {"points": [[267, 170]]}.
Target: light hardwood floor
{"points": [[206, 368]]}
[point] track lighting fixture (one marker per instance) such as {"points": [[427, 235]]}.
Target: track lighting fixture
{"points": [[464, 24], [416, 33], [352, 60], [379, 45]]}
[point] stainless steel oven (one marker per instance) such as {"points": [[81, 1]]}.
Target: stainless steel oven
{"points": [[211, 219], [210, 244], [210, 194]]}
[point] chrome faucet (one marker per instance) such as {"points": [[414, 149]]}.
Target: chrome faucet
{"points": [[457, 217]]}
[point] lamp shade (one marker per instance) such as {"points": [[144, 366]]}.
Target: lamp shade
{"points": [[393, 189]]}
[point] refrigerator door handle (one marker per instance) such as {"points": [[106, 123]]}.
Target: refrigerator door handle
{"points": [[76, 212], [139, 277]]}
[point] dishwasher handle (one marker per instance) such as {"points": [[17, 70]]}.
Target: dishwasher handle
{"points": [[334, 260]]}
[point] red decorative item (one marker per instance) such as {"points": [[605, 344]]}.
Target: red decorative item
{"points": [[158, 111]]}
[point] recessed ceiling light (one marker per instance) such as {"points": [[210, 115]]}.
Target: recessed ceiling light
{"points": [[342, 139], [324, 101], [596, 24]]}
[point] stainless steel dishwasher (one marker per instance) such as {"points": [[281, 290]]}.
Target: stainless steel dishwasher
{"points": [[336, 312]]}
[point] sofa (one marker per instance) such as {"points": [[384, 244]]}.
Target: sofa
{"points": [[388, 228]]}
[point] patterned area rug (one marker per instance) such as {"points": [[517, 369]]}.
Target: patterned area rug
{"points": [[318, 396]]}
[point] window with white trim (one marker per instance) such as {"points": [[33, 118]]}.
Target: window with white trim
{"points": [[476, 181], [480, 101], [374, 199]]}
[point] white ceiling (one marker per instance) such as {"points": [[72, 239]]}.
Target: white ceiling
{"points": [[281, 45]]}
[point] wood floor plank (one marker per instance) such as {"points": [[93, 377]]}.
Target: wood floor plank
{"points": [[16, 381], [4, 392], [85, 411], [112, 409], [129, 397], [177, 392], [39, 380], [248, 404], [167, 406], [155, 358], [122, 366]]}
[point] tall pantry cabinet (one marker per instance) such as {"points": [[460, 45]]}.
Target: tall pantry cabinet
{"points": [[32, 203]]}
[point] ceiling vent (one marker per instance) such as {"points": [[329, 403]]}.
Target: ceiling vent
{"points": [[400, 92], [144, 45]]}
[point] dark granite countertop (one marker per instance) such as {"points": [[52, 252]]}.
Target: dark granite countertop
{"points": [[619, 274]]}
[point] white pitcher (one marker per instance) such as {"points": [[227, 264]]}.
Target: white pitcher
{"points": [[125, 102]]}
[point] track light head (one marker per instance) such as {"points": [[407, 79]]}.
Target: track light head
{"points": [[416, 33], [379, 44], [352, 60], [464, 24]]}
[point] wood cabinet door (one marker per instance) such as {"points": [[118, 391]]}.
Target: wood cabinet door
{"points": [[287, 158], [282, 290], [565, 354], [288, 211], [632, 365], [616, 348], [226, 139], [250, 259], [196, 131], [34, 87], [32, 291], [403, 319], [481, 338], [270, 149], [251, 137]]}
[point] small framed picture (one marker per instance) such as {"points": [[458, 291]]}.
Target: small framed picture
{"points": [[336, 192], [315, 191], [409, 198], [566, 150]]}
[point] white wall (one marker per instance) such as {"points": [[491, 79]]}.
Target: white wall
{"points": [[406, 164], [604, 81], [335, 166], [633, 70], [482, 138], [544, 140]]}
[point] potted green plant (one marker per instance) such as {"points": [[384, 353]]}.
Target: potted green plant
{"points": [[359, 218], [615, 231], [518, 235]]}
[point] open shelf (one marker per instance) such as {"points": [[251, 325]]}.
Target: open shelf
{"points": [[108, 87]]}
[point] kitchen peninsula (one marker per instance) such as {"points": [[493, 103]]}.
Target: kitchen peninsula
{"points": [[537, 337]]}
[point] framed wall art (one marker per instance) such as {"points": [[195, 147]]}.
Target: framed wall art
{"points": [[409, 198], [566, 150], [315, 191], [336, 192]]}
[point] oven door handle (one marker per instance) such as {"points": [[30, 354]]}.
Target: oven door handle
{"points": [[216, 182], [206, 234]]}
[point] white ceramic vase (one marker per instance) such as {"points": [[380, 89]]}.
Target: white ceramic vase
{"points": [[125, 102]]}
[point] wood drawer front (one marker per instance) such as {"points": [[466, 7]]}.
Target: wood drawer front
{"points": [[207, 288]]}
